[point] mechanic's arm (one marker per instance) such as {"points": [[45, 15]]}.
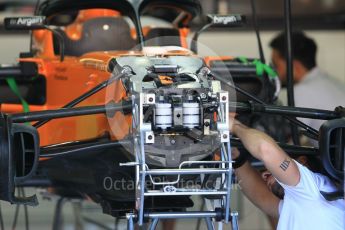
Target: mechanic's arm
{"points": [[255, 189], [264, 148]]}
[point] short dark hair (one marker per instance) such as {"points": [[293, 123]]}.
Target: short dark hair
{"points": [[304, 48]]}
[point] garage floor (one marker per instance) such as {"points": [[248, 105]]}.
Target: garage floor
{"points": [[41, 217]]}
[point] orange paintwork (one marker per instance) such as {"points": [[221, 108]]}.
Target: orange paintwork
{"points": [[69, 79], [166, 80], [66, 81], [184, 32], [73, 77], [43, 43], [209, 59]]}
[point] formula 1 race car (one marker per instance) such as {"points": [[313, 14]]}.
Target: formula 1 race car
{"points": [[125, 114]]}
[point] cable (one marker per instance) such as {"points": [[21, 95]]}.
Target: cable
{"points": [[37, 6], [194, 45], [289, 65], [257, 32], [55, 152], [31, 37], [61, 42]]}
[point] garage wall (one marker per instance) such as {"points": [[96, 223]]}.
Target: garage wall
{"points": [[11, 46]]}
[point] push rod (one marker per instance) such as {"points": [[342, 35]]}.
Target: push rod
{"points": [[69, 112], [293, 150], [126, 106], [66, 149], [10, 71], [285, 110]]}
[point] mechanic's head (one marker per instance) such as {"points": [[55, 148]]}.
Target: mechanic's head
{"points": [[272, 184], [311, 162], [304, 55]]}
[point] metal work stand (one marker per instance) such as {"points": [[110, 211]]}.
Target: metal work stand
{"points": [[219, 210]]}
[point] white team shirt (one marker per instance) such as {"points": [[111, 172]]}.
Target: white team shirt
{"points": [[304, 208], [320, 91], [317, 90]]}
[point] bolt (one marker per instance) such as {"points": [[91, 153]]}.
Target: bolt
{"points": [[203, 96], [149, 137], [172, 141], [224, 98], [178, 115], [225, 136], [205, 71], [150, 99], [207, 124]]}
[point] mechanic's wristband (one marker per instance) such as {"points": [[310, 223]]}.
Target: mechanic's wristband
{"points": [[240, 160]]}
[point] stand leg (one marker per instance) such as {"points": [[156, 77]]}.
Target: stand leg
{"points": [[209, 223], [58, 217], [154, 223], [234, 221], [130, 222]]}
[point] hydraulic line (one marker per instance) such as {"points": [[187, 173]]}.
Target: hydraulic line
{"points": [[257, 32]]}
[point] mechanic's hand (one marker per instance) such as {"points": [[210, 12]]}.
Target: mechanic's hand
{"points": [[232, 123]]}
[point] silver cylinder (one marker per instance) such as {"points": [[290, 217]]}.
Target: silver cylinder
{"points": [[163, 115], [191, 115]]}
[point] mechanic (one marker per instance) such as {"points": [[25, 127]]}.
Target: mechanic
{"points": [[301, 204], [313, 87]]}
